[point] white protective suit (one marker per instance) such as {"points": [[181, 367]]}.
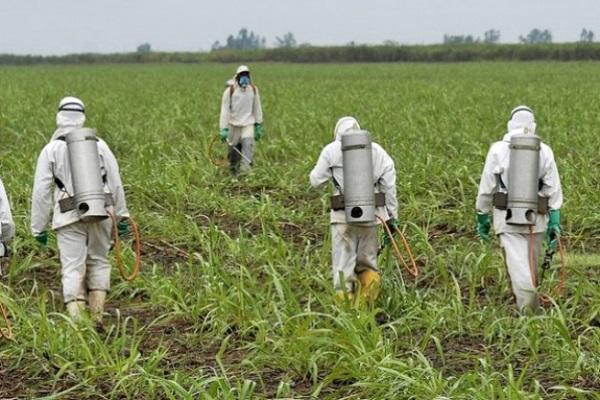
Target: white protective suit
{"points": [[240, 110], [515, 238], [83, 247], [7, 225], [354, 247]]}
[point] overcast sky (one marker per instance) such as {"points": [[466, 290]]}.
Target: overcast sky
{"points": [[74, 26]]}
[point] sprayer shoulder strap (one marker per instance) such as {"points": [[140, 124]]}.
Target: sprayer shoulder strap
{"points": [[500, 182], [336, 184]]}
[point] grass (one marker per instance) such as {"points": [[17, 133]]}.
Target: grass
{"points": [[235, 300]]}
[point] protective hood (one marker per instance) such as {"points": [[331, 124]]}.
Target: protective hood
{"points": [[242, 68], [71, 114], [343, 125], [522, 120]]}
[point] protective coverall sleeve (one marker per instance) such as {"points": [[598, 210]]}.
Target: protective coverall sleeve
{"points": [[487, 185], [224, 119], [7, 224], [387, 184], [321, 173], [551, 186], [114, 183], [257, 108], [41, 201]]}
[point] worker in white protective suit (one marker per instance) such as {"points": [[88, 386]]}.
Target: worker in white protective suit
{"points": [[516, 239], [83, 246], [241, 120], [355, 246], [7, 225]]}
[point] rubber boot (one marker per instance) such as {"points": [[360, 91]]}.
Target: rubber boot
{"points": [[370, 285], [96, 299], [74, 308]]}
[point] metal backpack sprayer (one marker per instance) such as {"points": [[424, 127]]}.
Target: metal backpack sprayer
{"points": [[522, 202], [89, 198], [359, 199]]}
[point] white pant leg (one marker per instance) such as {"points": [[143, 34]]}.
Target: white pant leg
{"points": [[247, 146], [516, 250], [343, 252], [72, 246], [248, 152], [98, 265], [368, 245]]}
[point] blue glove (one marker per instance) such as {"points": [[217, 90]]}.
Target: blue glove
{"points": [[393, 224], [224, 134], [483, 227], [258, 131], [553, 230], [42, 238]]}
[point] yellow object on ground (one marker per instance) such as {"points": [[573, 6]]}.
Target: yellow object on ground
{"points": [[370, 285]]}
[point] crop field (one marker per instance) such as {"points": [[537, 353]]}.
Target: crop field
{"points": [[235, 299]]}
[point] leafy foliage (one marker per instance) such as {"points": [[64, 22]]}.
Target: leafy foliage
{"points": [[586, 36], [287, 41], [144, 48], [491, 36], [235, 299], [537, 36], [460, 39], [305, 53], [244, 40]]}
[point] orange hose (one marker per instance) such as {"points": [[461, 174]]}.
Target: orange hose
{"points": [[560, 288], [8, 332], [138, 249], [414, 271]]}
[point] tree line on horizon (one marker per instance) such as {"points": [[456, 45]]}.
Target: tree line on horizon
{"points": [[248, 46], [249, 40]]}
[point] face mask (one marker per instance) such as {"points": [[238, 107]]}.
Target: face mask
{"points": [[244, 80]]}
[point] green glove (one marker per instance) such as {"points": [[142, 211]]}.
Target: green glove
{"points": [[224, 134], [483, 227], [123, 227], [258, 131], [553, 230], [391, 223], [42, 238]]}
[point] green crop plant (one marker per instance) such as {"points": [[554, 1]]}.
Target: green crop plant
{"points": [[235, 299]]}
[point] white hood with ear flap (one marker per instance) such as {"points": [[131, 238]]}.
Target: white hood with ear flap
{"points": [[71, 114], [343, 125], [522, 118]]}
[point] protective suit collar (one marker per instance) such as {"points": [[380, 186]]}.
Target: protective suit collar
{"points": [[66, 121], [343, 125], [530, 130]]}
